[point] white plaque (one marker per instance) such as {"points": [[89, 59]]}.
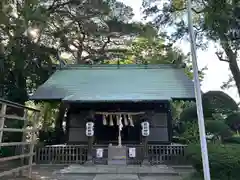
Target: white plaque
{"points": [[99, 153], [132, 152]]}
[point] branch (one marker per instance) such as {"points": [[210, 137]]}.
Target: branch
{"points": [[184, 8], [105, 44], [220, 57], [55, 6]]}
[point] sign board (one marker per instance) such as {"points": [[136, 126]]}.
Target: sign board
{"points": [[132, 152], [99, 153]]}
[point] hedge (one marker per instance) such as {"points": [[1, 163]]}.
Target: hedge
{"points": [[224, 160], [232, 140]]}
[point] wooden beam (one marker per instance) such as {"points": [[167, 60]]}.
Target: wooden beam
{"points": [[15, 157], [14, 144], [12, 117], [17, 105], [6, 173], [17, 130], [119, 113]]}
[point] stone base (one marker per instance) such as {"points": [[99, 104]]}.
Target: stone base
{"points": [[89, 163], [117, 155], [146, 162]]}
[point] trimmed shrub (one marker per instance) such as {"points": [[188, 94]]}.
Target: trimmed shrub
{"points": [[180, 140], [232, 140], [224, 160]]}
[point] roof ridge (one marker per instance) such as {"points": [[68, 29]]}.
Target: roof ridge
{"points": [[120, 66]]}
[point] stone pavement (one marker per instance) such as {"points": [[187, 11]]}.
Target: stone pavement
{"points": [[106, 173]]}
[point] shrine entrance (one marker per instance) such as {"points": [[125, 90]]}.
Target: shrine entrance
{"points": [[107, 130]]}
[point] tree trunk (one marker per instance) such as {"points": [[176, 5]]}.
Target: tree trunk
{"points": [[59, 124], [235, 72], [233, 65]]}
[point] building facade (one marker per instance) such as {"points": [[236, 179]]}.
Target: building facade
{"points": [[117, 105]]}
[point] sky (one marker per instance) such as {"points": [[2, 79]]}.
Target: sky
{"points": [[217, 72]]}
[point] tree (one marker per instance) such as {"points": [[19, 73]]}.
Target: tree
{"points": [[216, 20], [33, 34], [93, 30]]}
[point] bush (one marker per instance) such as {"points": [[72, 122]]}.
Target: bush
{"points": [[179, 140], [232, 140], [224, 160]]}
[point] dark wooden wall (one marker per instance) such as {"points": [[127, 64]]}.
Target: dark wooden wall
{"points": [[160, 120]]}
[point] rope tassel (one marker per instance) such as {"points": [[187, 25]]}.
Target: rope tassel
{"points": [[118, 119], [111, 120], [125, 119], [130, 120], [104, 120]]}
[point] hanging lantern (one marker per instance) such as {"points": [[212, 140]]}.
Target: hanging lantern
{"points": [[104, 119], [111, 120]]}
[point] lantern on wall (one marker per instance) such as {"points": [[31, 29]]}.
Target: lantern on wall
{"points": [[145, 128], [89, 129]]}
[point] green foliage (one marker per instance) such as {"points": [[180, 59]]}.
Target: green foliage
{"points": [[224, 160], [233, 121], [232, 140], [177, 107], [213, 102], [216, 106], [34, 33], [47, 137], [219, 102], [214, 20], [190, 132], [218, 128], [48, 113]]}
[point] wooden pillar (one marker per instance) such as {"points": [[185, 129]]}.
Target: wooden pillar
{"points": [[145, 140], [32, 143], [2, 120], [90, 118], [90, 149], [145, 150], [24, 137]]}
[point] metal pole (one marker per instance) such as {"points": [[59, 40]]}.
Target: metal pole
{"points": [[198, 97]]}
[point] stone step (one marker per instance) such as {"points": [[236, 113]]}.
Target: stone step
{"points": [[116, 177], [114, 169], [160, 178]]}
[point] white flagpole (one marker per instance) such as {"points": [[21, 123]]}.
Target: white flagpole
{"points": [[198, 97]]}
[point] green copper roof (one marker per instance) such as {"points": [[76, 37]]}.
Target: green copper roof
{"points": [[116, 83]]}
